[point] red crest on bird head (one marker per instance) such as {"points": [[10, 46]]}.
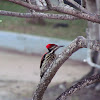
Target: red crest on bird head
{"points": [[50, 45]]}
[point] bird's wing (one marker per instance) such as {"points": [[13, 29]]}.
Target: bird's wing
{"points": [[43, 58]]}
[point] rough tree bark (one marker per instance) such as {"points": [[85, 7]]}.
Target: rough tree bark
{"points": [[36, 20], [93, 29], [79, 42], [93, 33]]}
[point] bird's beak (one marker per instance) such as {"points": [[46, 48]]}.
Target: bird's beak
{"points": [[60, 46]]}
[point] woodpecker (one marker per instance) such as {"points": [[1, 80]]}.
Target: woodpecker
{"points": [[48, 58]]}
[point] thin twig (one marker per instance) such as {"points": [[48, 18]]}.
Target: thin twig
{"points": [[73, 12], [78, 86], [61, 10], [30, 6], [43, 2], [76, 14], [80, 7], [37, 14]]}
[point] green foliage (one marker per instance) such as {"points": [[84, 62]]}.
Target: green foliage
{"points": [[22, 25], [6, 5]]}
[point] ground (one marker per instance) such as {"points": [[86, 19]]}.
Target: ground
{"points": [[19, 76]]}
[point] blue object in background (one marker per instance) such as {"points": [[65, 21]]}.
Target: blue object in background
{"points": [[35, 44]]}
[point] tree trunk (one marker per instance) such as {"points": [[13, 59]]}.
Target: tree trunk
{"points": [[98, 11], [94, 34], [93, 29]]}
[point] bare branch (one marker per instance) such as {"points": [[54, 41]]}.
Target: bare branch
{"points": [[30, 6], [79, 42], [31, 10], [37, 14], [60, 9], [49, 5], [53, 68], [43, 2], [78, 86], [77, 14], [80, 7]]}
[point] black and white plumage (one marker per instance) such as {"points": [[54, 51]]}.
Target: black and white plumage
{"points": [[48, 58]]}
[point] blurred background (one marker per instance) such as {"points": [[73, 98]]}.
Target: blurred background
{"points": [[61, 29], [22, 44]]}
